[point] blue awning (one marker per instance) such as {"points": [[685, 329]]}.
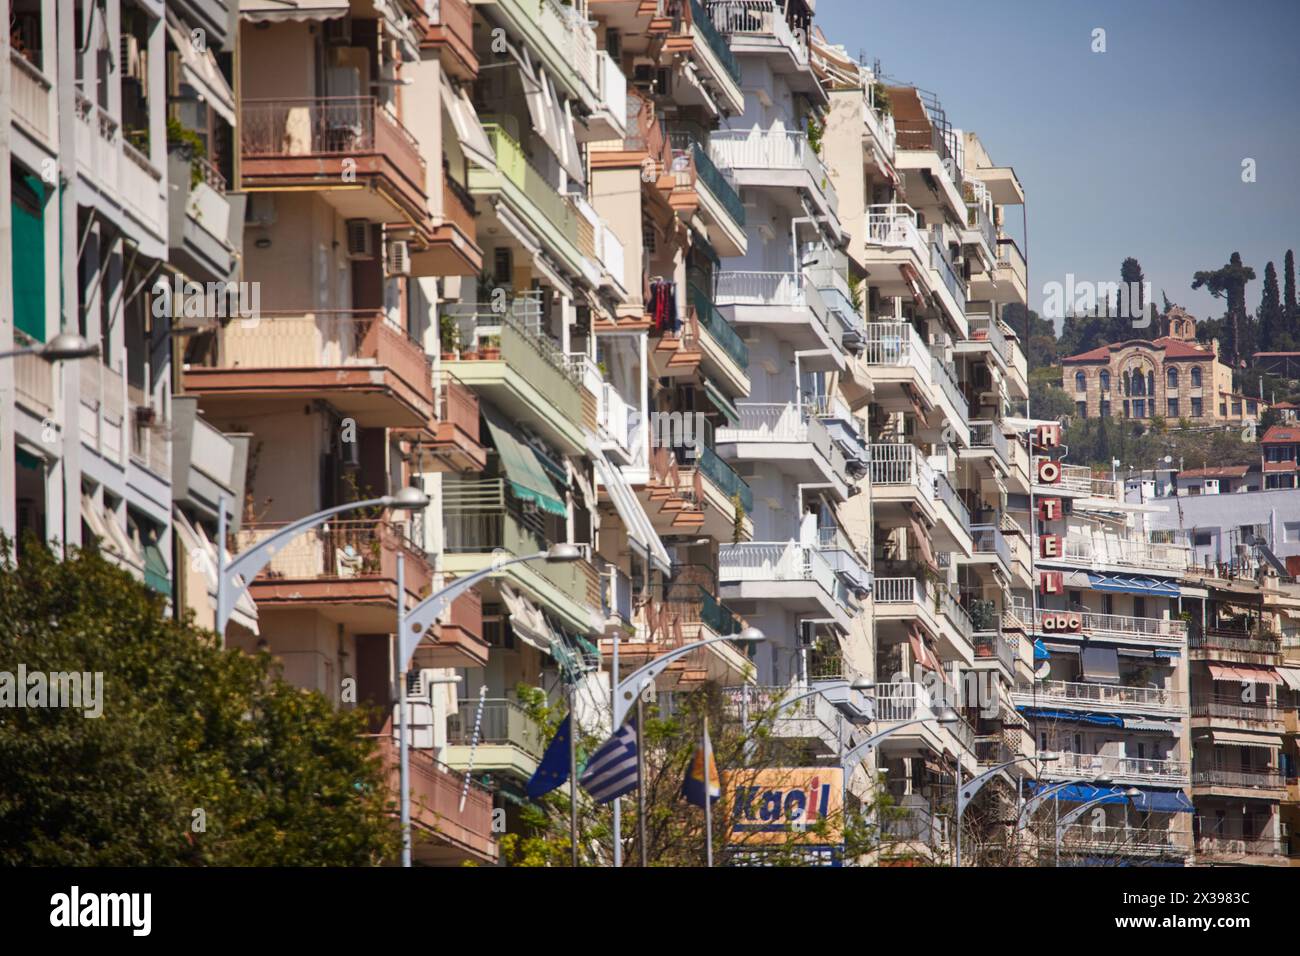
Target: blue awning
{"points": [[1104, 720], [1040, 651], [1168, 653], [1132, 584], [1163, 801], [1083, 793]]}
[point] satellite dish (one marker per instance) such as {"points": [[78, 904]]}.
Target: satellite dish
{"points": [[1043, 670]]}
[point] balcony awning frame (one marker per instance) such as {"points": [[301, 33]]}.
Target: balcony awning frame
{"points": [[524, 473]]}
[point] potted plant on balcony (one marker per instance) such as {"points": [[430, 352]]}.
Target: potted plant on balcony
{"points": [[449, 334], [491, 348], [983, 615]]}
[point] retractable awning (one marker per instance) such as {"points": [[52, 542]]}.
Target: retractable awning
{"points": [[1132, 584], [523, 469], [1154, 726], [201, 551], [199, 69], [1233, 738], [1290, 676], [1163, 801], [1083, 793], [474, 142], [1074, 716], [640, 530], [259, 11], [527, 622], [1100, 665], [1244, 674], [722, 403]]}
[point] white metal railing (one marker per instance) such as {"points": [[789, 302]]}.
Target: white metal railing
{"points": [[940, 373], [761, 288], [898, 463], [774, 561], [896, 344], [760, 18], [1089, 766], [941, 264], [906, 590], [614, 415], [990, 540], [141, 185], [770, 149], [989, 435], [613, 86], [1171, 631], [944, 490], [33, 378], [905, 700], [986, 328], [767, 421], [1106, 695], [1126, 841], [29, 92], [611, 253], [894, 226], [1127, 550]]}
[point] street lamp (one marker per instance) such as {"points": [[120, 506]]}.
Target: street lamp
{"points": [[62, 347], [247, 565], [628, 692], [1074, 814], [966, 792], [411, 626]]}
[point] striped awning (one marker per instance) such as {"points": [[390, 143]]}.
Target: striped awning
{"points": [[1244, 674], [1232, 738]]}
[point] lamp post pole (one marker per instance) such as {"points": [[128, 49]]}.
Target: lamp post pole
{"points": [[966, 793], [1069, 818]]}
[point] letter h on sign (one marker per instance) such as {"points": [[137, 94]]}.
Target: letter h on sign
{"points": [[1049, 435]]}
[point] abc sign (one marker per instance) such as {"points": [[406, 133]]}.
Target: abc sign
{"points": [[1049, 472], [1062, 622]]}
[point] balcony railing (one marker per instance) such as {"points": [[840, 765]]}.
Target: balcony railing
{"points": [[771, 150], [985, 328], [989, 539], [33, 376], [774, 561], [767, 422], [30, 94], [993, 644], [1241, 642], [989, 435], [717, 327], [1140, 628], [1089, 766], [1231, 708], [894, 226], [1247, 779], [515, 166], [338, 550], [948, 384], [897, 463], [1230, 847], [1106, 695], [500, 721], [897, 344], [941, 264], [1128, 550], [1009, 257], [945, 492], [707, 172], [725, 477], [759, 18], [324, 126], [785, 289], [715, 41], [1125, 841], [902, 701]]}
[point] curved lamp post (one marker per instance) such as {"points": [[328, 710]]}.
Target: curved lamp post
{"points": [[61, 348], [1074, 814], [966, 792], [411, 626], [248, 564]]}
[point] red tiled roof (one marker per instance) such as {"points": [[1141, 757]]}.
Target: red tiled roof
{"points": [[1225, 471], [1277, 354], [1285, 405], [1173, 349], [1280, 434]]}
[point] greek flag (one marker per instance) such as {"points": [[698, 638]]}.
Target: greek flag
{"points": [[611, 771]]}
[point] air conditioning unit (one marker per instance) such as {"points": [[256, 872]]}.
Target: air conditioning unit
{"points": [[419, 710], [130, 57], [399, 257], [145, 415], [261, 210], [361, 239]]}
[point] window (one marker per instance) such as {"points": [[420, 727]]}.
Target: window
{"points": [[1236, 407], [1105, 408], [1171, 379], [1196, 376], [1223, 409], [1108, 604], [1173, 408], [1151, 383], [1126, 408], [1080, 382], [1139, 607], [1202, 539], [1291, 531], [1196, 408], [1081, 409], [1104, 378], [1252, 407], [1139, 408]]}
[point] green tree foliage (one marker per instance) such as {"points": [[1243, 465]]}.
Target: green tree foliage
{"points": [[201, 756], [1037, 334], [1272, 324], [1229, 282], [1289, 307], [1046, 397]]}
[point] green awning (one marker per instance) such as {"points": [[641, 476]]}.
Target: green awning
{"points": [[25, 459], [156, 574], [722, 403], [523, 468]]}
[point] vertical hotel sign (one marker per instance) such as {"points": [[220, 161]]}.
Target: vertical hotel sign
{"points": [[1048, 472], [782, 805]]}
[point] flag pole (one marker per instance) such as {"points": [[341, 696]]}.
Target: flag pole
{"points": [[708, 803], [573, 776], [640, 779]]}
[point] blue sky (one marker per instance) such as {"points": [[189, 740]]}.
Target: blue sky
{"points": [[1133, 152]]}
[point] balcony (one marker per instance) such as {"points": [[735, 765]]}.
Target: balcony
{"points": [[1120, 842], [1011, 271], [1122, 770], [900, 366], [563, 39], [1233, 850], [775, 158], [1075, 480], [1226, 711], [1108, 697], [358, 361], [479, 521], [452, 247], [1266, 783], [206, 463], [306, 143], [797, 576], [450, 30], [788, 437], [898, 703], [678, 614], [530, 380], [988, 443], [200, 232], [711, 55], [813, 723], [345, 570], [31, 98], [442, 831], [902, 602], [1121, 628], [1235, 644], [456, 639], [760, 27], [700, 186], [531, 196], [723, 352], [955, 515], [988, 338], [995, 646], [844, 560], [453, 437], [103, 412], [699, 495], [784, 301], [33, 378], [914, 831], [941, 265], [951, 401], [508, 741]]}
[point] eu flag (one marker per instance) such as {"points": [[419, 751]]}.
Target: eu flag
{"points": [[554, 768]]}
